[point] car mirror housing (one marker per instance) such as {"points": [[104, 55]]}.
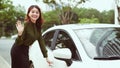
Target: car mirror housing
{"points": [[63, 53]]}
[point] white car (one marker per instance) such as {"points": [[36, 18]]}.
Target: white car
{"points": [[83, 46], [14, 36]]}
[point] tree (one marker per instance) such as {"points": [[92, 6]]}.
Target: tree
{"points": [[88, 21], [117, 11], [5, 6], [107, 17], [66, 15], [50, 19], [8, 17], [88, 13], [111, 16]]}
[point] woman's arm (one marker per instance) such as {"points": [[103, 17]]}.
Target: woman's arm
{"points": [[21, 33], [42, 46]]}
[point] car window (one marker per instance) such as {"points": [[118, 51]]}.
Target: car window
{"points": [[102, 41], [111, 44], [107, 42], [84, 36], [48, 38], [98, 34], [64, 41]]}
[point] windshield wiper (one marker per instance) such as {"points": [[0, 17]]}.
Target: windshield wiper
{"points": [[107, 58]]}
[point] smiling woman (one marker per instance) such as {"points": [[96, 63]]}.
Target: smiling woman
{"points": [[27, 35]]}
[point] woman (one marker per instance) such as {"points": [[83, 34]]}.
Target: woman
{"points": [[27, 34]]}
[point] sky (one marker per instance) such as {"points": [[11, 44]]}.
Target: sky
{"points": [[100, 5]]}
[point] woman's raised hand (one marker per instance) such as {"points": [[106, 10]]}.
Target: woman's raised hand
{"points": [[19, 27]]}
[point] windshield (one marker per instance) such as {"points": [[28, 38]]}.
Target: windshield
{"points": [[100, 42]]}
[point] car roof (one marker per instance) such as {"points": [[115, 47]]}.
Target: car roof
{"points": [[82, 26]]}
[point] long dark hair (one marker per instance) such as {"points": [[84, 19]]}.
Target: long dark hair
{"points": [[39, 20]]}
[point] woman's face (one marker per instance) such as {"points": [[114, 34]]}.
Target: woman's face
{"points": [[34, 14]]}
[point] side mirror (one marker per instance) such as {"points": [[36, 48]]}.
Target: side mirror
{"points": [[63, 53]]}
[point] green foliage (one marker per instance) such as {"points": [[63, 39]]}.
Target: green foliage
{"points": [[66, 14], [84, 15], [87, 13], [107, 17], [9, 15], [102, 17], [50, 19], [5, 4], [88, 21]]}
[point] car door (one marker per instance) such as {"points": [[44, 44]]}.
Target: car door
{"points": [[61, 39], [50, 39]]}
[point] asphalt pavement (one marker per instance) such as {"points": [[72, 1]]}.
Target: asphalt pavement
{"points": [[4, 63], [5, 47], [35, 54]]}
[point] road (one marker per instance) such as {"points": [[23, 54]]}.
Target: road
{"points": [[5, 47]]}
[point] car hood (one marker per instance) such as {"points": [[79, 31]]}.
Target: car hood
{"points": [[96, 64], [109, 64]]}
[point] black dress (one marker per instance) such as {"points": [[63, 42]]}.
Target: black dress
{"points": [[20, 49], [20, 57]]}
